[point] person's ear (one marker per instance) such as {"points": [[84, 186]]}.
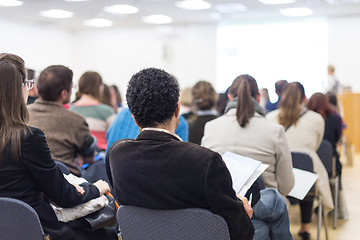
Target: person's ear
{"points": [[258, 98], [177, 111], [136, 122], [230, 97]]}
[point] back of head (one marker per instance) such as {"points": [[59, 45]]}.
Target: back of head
{"points": [[331, 69], [332, 99], [13, 111], [89, 83], [280, 87], [319, 103], [106, 95], [245, 89], [186, 97], [53, 80], [152, 96], [117, 93], [204, 95], [290, 104]]}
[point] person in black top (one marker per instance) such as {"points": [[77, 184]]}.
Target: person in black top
{"points": [[27, 171], [159, 171], [333, 123]]}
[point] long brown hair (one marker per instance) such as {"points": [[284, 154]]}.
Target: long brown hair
{"points": [[89, 83], [13, 111], [290, 104], [244, 88], [319, 103]]}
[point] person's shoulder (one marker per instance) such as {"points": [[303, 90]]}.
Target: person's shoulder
{"points": [[197, 150], [106, 108], [273, 115], [314, 116], [33, 135]]}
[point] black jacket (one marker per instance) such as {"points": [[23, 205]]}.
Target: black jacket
{"points": [[36, 175], [158, 171]]}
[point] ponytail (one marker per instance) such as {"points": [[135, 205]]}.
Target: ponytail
{"points": [[244, 88]]}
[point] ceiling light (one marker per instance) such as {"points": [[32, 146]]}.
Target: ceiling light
{"points": [[157, 19], [277, 1], [296, 12], [193, 4], [121, 9], [10, 3], [231, 7], [56, 13], [98, 22]]}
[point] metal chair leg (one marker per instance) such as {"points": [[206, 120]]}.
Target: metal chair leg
{"points": [[320, 214], [326, 224], [336, 201]]}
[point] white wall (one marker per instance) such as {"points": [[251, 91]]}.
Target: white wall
{"points": [[344, 50], [188, 52], [39, 46]]}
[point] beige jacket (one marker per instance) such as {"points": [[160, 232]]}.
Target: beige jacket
{"points": [[261, 140], [306, 136]]}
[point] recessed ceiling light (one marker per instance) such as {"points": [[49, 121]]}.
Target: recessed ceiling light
{"points": [[56, 13], [10, 3], [98, 22], [277, 1], [157, 19], [121, 9], [193, 4], [231, 7], [296, 12]]}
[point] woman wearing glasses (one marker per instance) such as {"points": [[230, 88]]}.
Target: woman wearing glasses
{"points": [[27, 171]]}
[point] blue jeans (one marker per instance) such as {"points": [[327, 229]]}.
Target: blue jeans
{"points": [[270, 217]]}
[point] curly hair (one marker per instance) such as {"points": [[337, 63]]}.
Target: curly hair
{"points": [[152, 96]]}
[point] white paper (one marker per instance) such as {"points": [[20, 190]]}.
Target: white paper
{"points": [[243, 170], [304, 180]]}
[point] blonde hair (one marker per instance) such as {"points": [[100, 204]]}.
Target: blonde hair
{"points": [[290, 104]]}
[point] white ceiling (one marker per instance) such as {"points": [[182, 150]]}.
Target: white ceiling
{"points": [[29, 11]]}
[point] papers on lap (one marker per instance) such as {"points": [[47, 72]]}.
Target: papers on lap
{"points": [[243, 170], [304, 180]]}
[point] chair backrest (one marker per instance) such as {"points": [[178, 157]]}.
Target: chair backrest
{"points": [[64, 169], [302, 161], [191, 224], [325, 153], [19, 221]]}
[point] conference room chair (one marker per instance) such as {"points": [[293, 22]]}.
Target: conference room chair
{"points": [[19, 221], [304, 162], [190, 224], [325, 153]]}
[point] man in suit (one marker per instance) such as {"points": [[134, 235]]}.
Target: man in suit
{"points": [[159, 171]]}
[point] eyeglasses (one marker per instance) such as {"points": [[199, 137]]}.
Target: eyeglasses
{"points": [[29, 84]]}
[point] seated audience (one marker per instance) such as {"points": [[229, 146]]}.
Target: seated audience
{"points": [[177, 174], [244, 130], [204, 98], [67, 133], [27, 171], [304, 130], [279, 88], [99, 116], [33, 93], [319, 103], [159, 171]]}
